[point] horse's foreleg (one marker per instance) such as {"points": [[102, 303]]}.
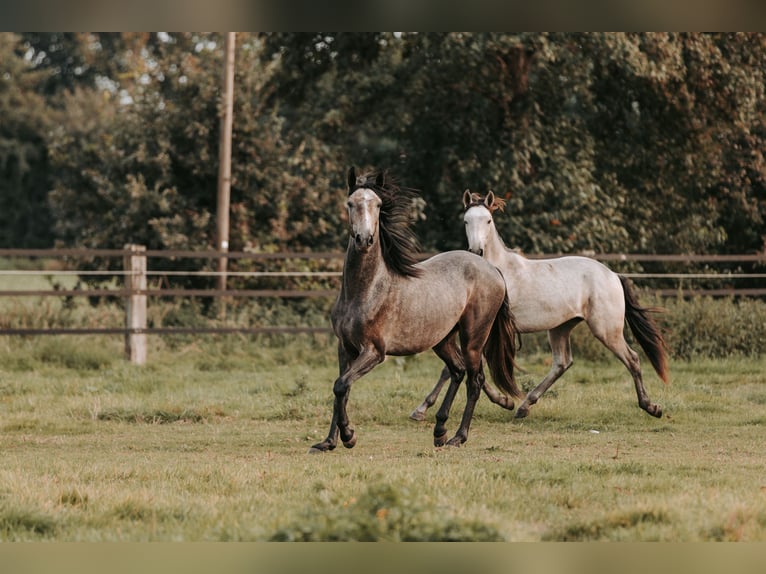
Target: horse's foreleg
{"points": [[332, 438], [419, 413], [562, 360], [368, 359]]}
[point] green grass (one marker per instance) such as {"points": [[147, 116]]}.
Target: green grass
{"points": [[209, 442]]}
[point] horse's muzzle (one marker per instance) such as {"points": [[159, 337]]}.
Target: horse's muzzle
{"points": [[479, 252], [363, 242]]}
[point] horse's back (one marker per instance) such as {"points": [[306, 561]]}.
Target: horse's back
{"points": [[427, 308], [462, 263], [545, 293]]}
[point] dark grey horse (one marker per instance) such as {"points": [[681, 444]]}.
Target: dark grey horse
{"points": [[391, 304]]}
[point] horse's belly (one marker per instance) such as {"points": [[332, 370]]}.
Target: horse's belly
{"points": [[542, 314], [532, 323], [407, 332], [415, 336]]}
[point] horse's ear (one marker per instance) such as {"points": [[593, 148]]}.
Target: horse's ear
{"points": [[489, 201], [351, 179], [466, 198], [380, 178]]}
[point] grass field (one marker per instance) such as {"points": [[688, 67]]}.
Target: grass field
{"points": [[209, 442]]}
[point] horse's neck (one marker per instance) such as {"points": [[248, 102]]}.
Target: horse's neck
{"points": [[495, 249], [362, 271], [497, 253]]}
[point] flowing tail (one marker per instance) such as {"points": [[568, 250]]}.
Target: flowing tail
{"points": [[645, 330], [501, 350]]}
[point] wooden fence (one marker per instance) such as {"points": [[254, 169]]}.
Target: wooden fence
{"points": [[135, 290]]}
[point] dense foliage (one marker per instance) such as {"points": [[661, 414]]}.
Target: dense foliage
{"points": [[607, 142]]}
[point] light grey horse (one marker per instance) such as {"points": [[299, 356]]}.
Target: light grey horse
{"points": [[391, 304], [555, 295]]}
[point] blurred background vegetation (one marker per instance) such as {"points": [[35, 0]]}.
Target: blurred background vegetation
{"points": [[636, 142]]}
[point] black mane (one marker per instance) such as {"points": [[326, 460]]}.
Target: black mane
{"points": [[398, 242]]}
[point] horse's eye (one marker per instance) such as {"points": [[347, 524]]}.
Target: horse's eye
{"points": [[489, 221]]}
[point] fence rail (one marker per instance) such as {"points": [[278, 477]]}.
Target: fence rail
{"points": [[135, 291]]}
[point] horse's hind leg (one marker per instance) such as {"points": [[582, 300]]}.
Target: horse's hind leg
{"points": [[440, 428], [474, 384], [561, 348], [500, 399], [450, 353], [629, 358], [419, 413], [497, 397]]}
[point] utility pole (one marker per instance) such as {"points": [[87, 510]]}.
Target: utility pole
{"points": [[224, 159]]}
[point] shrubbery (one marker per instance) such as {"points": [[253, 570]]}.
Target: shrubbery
{"points": [[694, 328], [384, 513]]}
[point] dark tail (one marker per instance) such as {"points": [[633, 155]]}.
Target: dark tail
{"points": [[501, 350], [645, 330]]}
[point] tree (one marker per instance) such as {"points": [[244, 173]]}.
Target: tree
{"points": [[24, 177], [606, 142], [603, 142], [152, 162]]}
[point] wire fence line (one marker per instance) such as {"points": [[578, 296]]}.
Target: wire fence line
{"points": [[256, 274], [169, 273], [211, 254], [130, 281], [82, 253]]}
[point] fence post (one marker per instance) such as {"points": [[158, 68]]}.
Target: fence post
{"points": [[135, 310]]}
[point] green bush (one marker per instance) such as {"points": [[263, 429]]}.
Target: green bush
{"points": [[707, 327], [384, 513], [693, 328]]}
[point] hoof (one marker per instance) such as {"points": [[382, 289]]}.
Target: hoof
{"points": [[456, 441], [440, 440], [417, 415], [350, 442], [655, 410], [522, 412], [321, 447], [509, 405]]}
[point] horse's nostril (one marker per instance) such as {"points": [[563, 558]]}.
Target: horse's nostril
{"points": [[363, 240]]}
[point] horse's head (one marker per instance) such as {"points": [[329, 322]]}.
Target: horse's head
{"points": [[363, 212], [478, 219]]}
